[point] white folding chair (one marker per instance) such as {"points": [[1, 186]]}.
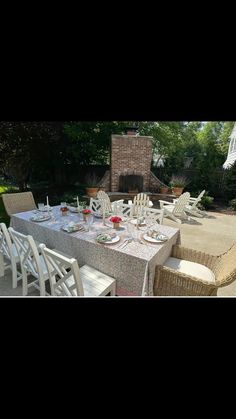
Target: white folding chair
{"points": [[31, 262], [8, 253], [67, 279], [176, 211]]}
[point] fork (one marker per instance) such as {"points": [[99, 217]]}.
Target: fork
{"points": [[127, 241]]}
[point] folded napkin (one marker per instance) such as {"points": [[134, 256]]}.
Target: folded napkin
{"points": [[39, 217], [103, 238], [157, 235], [70, 227]]}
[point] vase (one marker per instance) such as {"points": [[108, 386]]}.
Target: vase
{"points": [[116, 225], [86, 216], [64, 213]]}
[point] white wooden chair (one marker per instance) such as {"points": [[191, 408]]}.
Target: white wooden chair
{"points": [[8, 255], [96, 204], [31, 262], [124, 210], [140, 202], [192, 208], [176, 211], [154, 215], [18, 202], [75, 281]]}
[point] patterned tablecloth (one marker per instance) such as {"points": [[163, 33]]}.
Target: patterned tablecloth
{"points": [[133, 267]]}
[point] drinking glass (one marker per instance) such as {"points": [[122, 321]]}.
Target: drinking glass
{"points": [[41, 206], [89, 222], [63, 204]]}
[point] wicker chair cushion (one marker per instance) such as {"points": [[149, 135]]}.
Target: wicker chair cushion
{"points": [[191, 268]]}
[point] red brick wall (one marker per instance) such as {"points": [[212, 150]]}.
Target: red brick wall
{"points": [[130, 155]]}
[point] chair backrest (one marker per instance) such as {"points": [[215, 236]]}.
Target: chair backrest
{"points": [[66, 270], [18, 202], [5, 242], [225, 269], [181, 203], [198, 199], [140, 201], [28, 253], [101, 195], [123, 210], [154, 215], [95, 205]]}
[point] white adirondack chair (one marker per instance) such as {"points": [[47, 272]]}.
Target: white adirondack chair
{"points": [[8, 255], [102, 197], [75, 281], [176, 211], [141, 201], [154, 215], [192, 208], [31, 262]]}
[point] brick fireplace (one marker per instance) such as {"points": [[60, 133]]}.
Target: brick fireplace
{"points": [[130, 155], [130, 165]]}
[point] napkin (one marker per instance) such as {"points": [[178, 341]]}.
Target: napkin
{"points": [[157, 235], [105, 237], [70, 227]]}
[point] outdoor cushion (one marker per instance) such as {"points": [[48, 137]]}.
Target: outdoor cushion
{"points": [[190, 268]]}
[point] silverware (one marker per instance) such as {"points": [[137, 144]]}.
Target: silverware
{"points": [[127, 242]]}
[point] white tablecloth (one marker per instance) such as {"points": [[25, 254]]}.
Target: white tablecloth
{"points": [[133, 267]]}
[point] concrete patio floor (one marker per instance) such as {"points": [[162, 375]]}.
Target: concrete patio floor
{"points": [[214, 234]]}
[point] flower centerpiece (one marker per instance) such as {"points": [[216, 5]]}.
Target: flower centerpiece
{"points": [[64, 210], [86, 213], [116, 221]]}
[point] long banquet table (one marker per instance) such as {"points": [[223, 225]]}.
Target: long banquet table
{"points": [[133, 267]]}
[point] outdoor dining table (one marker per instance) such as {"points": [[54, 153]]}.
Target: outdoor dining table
{"points": [[133, 266]]}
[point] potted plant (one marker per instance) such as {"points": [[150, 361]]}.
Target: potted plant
{"points": [[92, 185], [177, 184], [164, 189]]}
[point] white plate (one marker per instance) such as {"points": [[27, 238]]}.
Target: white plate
{"points": [[99, 215], [38, 220], [45, 209], [152, 240], [65, 228], [113, 240], [135, 222], [73, 209]]}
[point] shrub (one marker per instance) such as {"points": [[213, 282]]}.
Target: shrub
{"points": [[206, 202], [178, 181], [232, 204]]}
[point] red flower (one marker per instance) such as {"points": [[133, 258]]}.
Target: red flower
{"points": [[115, 219], [86, 211], [64, 209]]}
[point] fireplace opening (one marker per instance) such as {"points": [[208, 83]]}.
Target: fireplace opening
{"points": [[131, 183]]}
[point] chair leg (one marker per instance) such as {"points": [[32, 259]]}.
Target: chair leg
{"points": [[14, 274], [24, 282], [173, 217], [2, 268]]}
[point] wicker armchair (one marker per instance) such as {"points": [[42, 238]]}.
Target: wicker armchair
{"points": [[18, 202], [172, 282]]}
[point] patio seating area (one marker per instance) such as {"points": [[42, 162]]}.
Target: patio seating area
{"points": [[128, 214]]}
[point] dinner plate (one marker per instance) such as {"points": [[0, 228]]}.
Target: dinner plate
{"points": [[135, 222], [113, 240], [70, 230], [45, 209], [73, 209], [99, 215], [152, 240], [42, 218]]}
